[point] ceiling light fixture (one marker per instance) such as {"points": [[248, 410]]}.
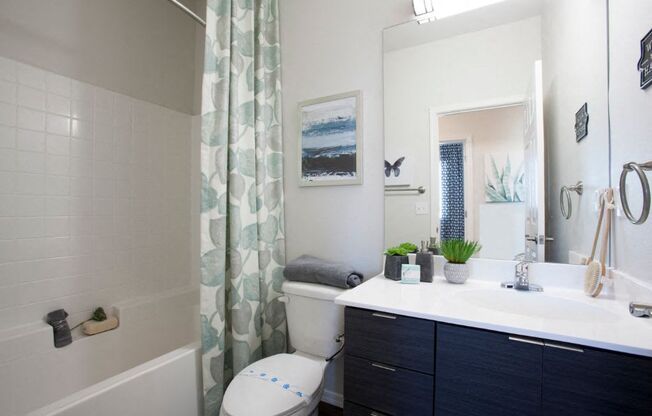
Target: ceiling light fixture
{"points": [[425, 10]]}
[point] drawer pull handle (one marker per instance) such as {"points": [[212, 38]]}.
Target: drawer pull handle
{"points": [[382, 315], [526, 341], [563, 347], [383, 367]]}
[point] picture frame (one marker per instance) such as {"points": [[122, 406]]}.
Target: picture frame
{"points": [[582, 123], [330, 145], [504, 175], [645, 63]]}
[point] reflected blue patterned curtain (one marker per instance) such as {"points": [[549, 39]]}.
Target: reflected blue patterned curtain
{"points": [[452, 190]]}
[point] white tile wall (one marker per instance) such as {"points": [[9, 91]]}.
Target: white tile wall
{"points": [[94, 196]]}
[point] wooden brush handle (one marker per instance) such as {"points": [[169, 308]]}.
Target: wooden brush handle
{"points": [[607, 230], [597, 230]]}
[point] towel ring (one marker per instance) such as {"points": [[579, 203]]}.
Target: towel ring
{"points": [[640, 169], [565, 195]]}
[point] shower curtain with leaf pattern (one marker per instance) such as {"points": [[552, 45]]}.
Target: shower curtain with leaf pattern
{"points": [[242, 235]]}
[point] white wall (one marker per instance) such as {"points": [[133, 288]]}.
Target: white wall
{"points": [[467, 69], [144, 48], [492, 131], [94, 196], [330, 47], [568, 27], [631, 128]]}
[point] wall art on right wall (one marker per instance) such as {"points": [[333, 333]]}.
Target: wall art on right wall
{"points": [[645, 63], [582, 122]]}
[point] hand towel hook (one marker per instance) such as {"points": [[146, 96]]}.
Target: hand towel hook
{"points": [[564, 194], [640, 169]]}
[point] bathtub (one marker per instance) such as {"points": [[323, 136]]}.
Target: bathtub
{"points": [[149, 365], [169, 385]]}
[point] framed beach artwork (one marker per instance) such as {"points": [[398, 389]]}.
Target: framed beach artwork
{"points": [[330, 145]]}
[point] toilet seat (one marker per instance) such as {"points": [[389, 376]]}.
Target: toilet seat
{"points": [[280, 385]]}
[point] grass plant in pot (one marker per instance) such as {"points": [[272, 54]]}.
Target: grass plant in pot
{"points": [[396, 257], [457, 253]]}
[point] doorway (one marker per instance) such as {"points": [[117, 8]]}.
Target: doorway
{"points": [[478, 178]]}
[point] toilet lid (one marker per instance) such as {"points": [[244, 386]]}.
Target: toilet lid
{"points": [[274, 386]]}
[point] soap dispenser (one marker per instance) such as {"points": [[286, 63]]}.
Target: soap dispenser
{"points": [[426, 261]]}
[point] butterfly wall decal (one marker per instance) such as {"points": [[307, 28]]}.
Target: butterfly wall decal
{"points": [[395, 167]]}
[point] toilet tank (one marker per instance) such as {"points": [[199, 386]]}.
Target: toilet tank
{"points": [[314, 320]]}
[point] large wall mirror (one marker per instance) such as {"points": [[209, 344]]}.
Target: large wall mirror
{"points": [[486, 131]]}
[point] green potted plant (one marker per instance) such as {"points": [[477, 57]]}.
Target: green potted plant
{"points": [[395, 258], [410, 247], [457, 253]]}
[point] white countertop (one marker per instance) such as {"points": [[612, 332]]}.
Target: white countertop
{"points": [[558, 314]]}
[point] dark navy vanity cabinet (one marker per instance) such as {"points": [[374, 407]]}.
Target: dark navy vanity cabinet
{"points": [[486, 373], [389, 364], [586, 381], [391, 339], [396, 365]]}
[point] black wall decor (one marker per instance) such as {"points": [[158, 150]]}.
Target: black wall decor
{"points": [[645, 63], [582, 123]]}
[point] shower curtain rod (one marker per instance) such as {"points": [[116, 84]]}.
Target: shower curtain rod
{"points": [[188, 12]]}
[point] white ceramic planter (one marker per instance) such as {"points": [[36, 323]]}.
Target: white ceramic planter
{"points": [[456, 273]]}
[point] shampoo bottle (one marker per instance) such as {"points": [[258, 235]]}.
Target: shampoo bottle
{"points": [[426, 261]]}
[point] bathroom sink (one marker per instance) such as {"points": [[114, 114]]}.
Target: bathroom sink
{"points": [[537, 305]]}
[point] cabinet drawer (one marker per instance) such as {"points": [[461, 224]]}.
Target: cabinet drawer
{"points": [[391, 390], [391, 339], [585, 381], [482, 373], [352, 409]]}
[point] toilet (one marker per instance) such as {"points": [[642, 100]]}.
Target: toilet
{"points": [[292, 384]]}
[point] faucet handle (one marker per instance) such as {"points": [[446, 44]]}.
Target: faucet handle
{"points": [[521, 278], [521, 281], [640, 310], [521, 267]]}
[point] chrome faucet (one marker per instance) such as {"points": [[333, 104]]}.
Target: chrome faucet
{"points": [[521, 279], [640, 310]]}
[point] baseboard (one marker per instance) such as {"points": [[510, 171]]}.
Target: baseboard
{"points": [[330, 397]]}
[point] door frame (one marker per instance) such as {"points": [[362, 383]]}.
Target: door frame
{"points": [[536, 250], [434, 114]]}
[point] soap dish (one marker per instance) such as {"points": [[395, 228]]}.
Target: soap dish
{"points": [[95, 327]]}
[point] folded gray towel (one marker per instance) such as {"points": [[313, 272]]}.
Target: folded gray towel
{"points": [[311, 269]]}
